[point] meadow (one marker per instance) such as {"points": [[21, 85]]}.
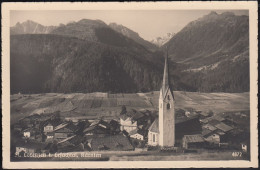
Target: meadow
{"points": [[94, 105]]}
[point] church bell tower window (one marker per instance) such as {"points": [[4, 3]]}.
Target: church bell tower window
{"points": [[168, 105]]}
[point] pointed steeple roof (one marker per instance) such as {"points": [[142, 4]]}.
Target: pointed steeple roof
{"points": [[166, 81], [166, 73]]}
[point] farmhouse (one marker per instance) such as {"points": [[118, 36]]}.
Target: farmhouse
{"points": [[127, 123], [223, 127], [193, 141], [64, 131], [26, 147], [136, 134], [111, 142]]}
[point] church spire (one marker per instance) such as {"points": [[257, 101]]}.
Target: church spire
{"points": [[166, 72], [166, 84]]}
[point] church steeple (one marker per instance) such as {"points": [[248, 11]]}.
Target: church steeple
{"points": [[166, 110], [166, 81], [165, 84]]}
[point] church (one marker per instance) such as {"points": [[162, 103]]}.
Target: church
{"points": [[168, 130]]}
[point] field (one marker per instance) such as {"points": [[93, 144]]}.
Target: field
{"points": [[93, 105]]}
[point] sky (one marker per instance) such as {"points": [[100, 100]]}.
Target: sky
{"points": [[149, 24]]}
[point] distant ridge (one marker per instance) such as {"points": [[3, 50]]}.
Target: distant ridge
{"points": [[31, 27], [210, 54]]}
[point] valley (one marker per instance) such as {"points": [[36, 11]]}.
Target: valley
{"points": [[96, 105]]}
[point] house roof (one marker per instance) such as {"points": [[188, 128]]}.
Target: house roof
{"points": [[133, 114], [223, 127], [124, 117], [60, 126], [135, 131], [69, 126], [210, 127], [67, 139], [205, 132], [184, 119], [178, 121], [204, 113], [219, 118], [50, 133], [111, 142], [193, 138], [213, 122], [154, 126], [89, 129]]}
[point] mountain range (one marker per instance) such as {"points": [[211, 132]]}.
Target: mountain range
{"points": [[209, 54], [159, 41], [30, 27]]}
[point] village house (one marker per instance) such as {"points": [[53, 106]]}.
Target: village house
{"points": [[48, 128], [136, 134], [64, 131], [114, 125], [110, 142], [27, 147], [209, 127], [49, 136], [31, 133], [17, 127], [212, 137], [127, 123], [27, 133], [131, 120], [97, 127], [193, 141], [223, 127], [204, 115]]}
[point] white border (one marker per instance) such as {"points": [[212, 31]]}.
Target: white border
{"points": [[250, 5]]}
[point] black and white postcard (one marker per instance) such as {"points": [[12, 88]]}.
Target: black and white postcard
{"points": [[130, 85]]}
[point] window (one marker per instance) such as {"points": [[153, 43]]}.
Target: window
{"points": [[153, 137], [169, 97], [168, 105]]}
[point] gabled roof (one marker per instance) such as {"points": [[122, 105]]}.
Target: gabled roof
{"points": [[213, 122], [204, 114], [219, 118], [50, 133], [69, 126], [205, 132], [155, 126], [111, 142], [133, 115], [210, 127], [67, 139], [60, 126], [223, 127], [193, 138], [135, 131], [124, 117]]}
